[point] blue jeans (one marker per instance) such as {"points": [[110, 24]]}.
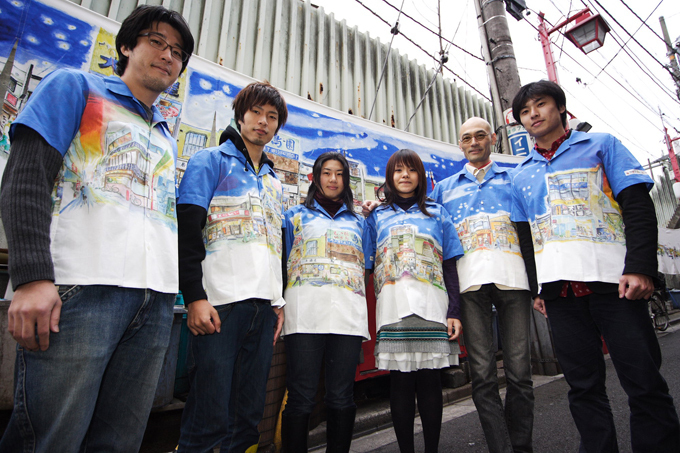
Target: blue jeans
{"points": [[508, 428], [228, 377], [305, 354], [577, 324], [92, 389]]}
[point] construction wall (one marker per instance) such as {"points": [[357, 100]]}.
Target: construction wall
{"points": [[300, 49]]}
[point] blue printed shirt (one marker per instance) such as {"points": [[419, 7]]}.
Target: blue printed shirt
{"points": [[480, 211], [570, 203], [325, 263], [406, 249], [242, 235], [113, 201]]}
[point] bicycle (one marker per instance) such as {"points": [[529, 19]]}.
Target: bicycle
{"points": [[657, 311]]}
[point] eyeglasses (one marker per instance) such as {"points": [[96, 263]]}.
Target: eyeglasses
{"points": [[157, 42], [479, 136]]}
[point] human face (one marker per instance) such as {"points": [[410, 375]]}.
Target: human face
{"points": [[405, 180], [330, 181], [150, 71], [478, 150], [259, 125], [541, 118]]}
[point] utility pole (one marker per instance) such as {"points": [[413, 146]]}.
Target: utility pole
{"points": [[675, 70], [499, 57]]}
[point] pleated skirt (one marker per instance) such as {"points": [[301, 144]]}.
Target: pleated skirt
{"points": [[413, 344]]}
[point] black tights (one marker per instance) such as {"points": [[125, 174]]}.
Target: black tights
{"points": [[403, 388]]}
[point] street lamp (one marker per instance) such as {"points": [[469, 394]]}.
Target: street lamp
{"points": [[587, 34], [589, 31]]}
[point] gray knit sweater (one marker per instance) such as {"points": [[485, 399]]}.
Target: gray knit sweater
{"points": [[26, 205]]}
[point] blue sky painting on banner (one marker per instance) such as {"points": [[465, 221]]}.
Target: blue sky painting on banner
{"points": [[58, 33], [48, 38], [318, 128]]}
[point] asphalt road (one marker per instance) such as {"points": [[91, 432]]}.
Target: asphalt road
{"points": [[554, 429]]}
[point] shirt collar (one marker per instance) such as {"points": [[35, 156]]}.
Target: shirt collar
{"points": [[549, 153], [116, 85], [475, 170]]}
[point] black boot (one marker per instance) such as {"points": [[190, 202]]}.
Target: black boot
{"points": [[294, 431], [339, 429]]}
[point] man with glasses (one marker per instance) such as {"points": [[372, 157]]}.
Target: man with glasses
{"points": [[491, 273], [88, 204]]}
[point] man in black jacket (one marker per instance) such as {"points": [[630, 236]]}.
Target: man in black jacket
{"points": [[583, 199]]}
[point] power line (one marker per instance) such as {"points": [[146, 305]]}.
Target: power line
{"points": [[395, 31], [638, 98], [645, 21], [652, 77], [433, 32], [619, 51], [425, 51], [632, 37], [611, 113]]}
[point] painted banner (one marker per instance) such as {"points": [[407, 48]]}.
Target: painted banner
{"points": [[52, 34]]}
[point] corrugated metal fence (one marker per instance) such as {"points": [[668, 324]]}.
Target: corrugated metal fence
{"points": [[664, 200], [300, 49]]}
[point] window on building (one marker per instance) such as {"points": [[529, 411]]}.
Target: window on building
{"points": [[193, 143]]}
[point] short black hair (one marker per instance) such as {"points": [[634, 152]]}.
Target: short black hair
{"points": [[347, 197], [539, 89], [142, 18], [259, 93]]}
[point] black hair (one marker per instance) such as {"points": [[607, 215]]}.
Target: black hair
{"points": [[409, 159], [347, 197], [259, 93], [536, 90], [143, 18]]}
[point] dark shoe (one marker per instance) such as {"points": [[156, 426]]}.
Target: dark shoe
{"points": [[294, 432], [339, 429]]}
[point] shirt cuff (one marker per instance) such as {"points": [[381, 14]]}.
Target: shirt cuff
{"points": [[278, 303]]}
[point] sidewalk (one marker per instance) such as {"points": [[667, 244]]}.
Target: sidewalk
{"points": [[376, 416]]}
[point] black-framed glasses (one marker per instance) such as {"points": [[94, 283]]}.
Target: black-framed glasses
{"points": [[158, 42], [479, 136]]}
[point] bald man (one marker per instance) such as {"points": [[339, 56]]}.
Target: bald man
{"points": [[492, 273]]}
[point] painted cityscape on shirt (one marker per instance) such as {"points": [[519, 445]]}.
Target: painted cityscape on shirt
{"points": [[405, 250], [323, 256], [122, 162], [245, 218], [482, 224], [580, 207], [486, 231]]}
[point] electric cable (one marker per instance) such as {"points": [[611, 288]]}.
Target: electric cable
{"points": [[645, 21], [639, 97], [444, 59], [638, 29], [433, 32], [395, 31], [614, 79], [425, 51], [635, 40]]}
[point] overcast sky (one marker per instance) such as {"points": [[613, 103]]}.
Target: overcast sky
{"points": [[628, 110]]}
